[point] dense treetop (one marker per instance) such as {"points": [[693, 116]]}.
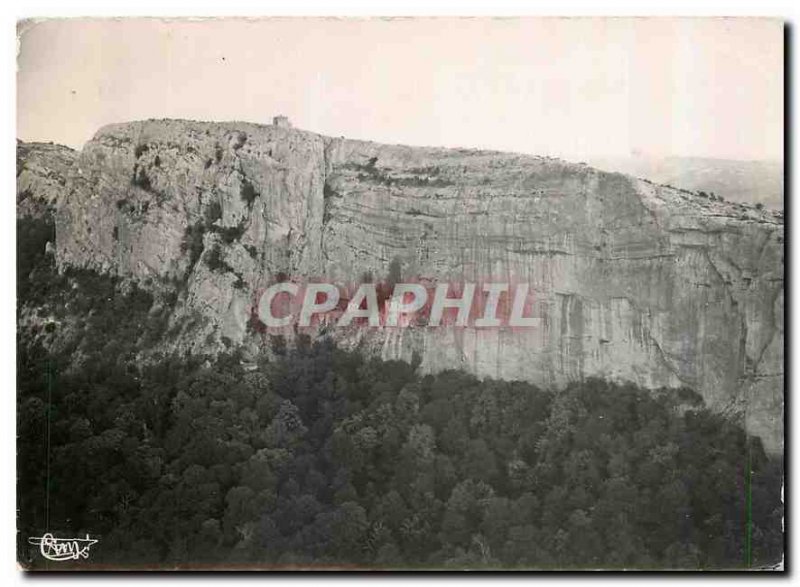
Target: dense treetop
{"points": [[319, 456]]}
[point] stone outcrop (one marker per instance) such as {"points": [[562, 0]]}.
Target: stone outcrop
{"points": [[631, 280], [42, 171]]}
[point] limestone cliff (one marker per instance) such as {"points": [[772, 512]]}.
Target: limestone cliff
{"points": [[632, 280]]}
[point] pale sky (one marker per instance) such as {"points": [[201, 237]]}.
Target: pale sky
{"points": [[565, 87]]}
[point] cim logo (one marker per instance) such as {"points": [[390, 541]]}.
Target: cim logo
{"points": [[62, 549]]}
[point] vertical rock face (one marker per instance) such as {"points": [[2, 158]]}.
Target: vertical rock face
{"points": [[630, 280]]}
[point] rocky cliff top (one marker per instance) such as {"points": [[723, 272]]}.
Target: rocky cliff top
{"points": [[632, 280]]}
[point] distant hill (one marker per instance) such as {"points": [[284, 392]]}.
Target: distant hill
{"points": [[737, 181]]}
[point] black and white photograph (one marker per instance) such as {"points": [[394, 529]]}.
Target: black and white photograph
{"points": [[400, 293]]}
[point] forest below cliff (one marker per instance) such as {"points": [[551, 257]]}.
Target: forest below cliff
{"points": [[316, 456]]}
